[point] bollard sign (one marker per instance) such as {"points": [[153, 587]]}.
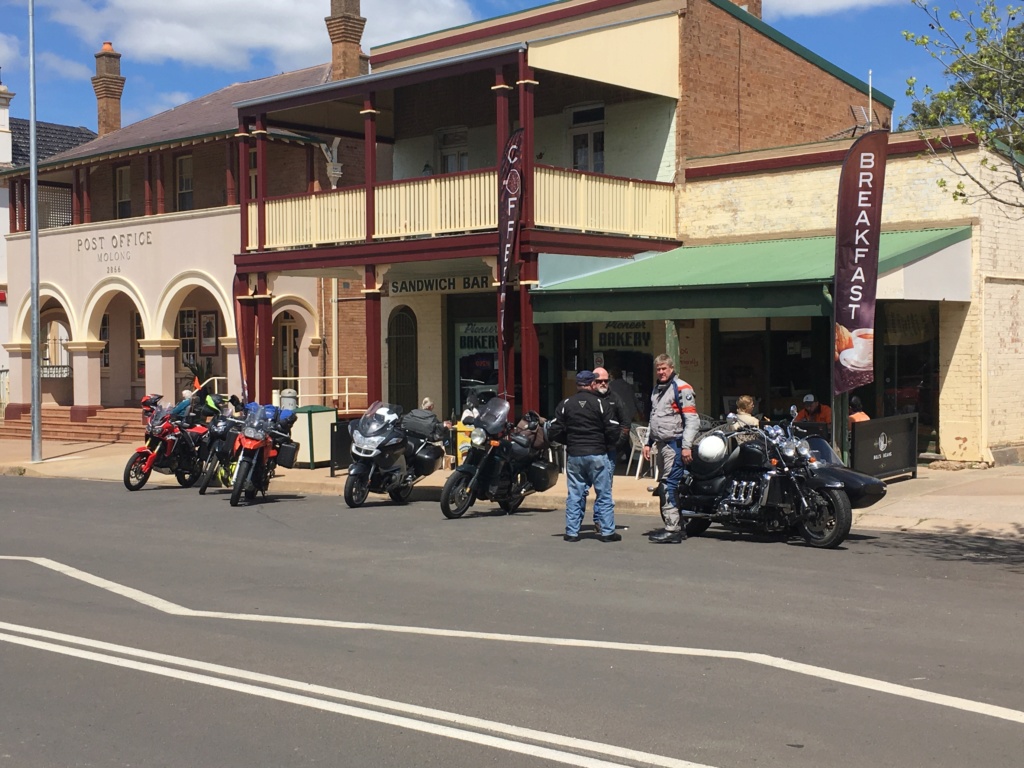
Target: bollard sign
{"points": [[858, 232]]}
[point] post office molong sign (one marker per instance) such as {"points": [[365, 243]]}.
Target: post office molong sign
{"points": [[115, 247], [623, 334]]}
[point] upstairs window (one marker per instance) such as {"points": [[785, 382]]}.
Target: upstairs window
{"points": [[586, 134], [252, 173], [183, 173], [123, 191]]}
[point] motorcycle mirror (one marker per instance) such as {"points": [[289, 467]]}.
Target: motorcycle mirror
{"points": [[469, 421], [731, 418], [792, 411]]}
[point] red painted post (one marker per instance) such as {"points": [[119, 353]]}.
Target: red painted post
{"points": [[374, 386]]}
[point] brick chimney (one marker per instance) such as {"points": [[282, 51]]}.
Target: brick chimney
{"points": [[345, 27], [108, 85], [750, 6]]}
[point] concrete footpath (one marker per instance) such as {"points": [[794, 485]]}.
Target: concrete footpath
{"points": [[976, 502]]}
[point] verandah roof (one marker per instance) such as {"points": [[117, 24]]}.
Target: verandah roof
{"points": [[769, 278]]}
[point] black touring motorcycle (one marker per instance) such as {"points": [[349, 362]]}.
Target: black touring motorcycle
{"points": [[504, 464], [772, 479]]}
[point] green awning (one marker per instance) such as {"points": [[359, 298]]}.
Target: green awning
{"points": [[769, 278]]}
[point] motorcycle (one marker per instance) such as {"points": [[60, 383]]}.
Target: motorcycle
{"points": [[771, 479], [392, 453], [262, 444], [218, 445], [503, 465], [172, 447]]}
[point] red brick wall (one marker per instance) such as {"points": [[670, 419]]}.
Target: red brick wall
{"points": [[351, 334], [744, 91]]}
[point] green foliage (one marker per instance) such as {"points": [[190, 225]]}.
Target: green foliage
{"points": [[982, 54]]}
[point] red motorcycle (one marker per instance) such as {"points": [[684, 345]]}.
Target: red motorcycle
{"points": [[262, 445], [172, 447]]}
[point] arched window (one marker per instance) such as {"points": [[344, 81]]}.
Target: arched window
{"points": [[403, 383]]}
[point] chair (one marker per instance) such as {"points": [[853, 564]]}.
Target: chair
{"points": [[637, 440]]}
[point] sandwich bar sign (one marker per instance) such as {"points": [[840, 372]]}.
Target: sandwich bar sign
{"points": [[858, 232]]}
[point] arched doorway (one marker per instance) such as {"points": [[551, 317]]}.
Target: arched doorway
{"points": [[403, 364]]}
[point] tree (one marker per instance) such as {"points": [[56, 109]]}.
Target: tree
{"points": [[982, 53]]}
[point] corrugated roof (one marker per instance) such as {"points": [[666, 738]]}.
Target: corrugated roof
{"points": [[740, 265], [51, 139], [208, 115]]}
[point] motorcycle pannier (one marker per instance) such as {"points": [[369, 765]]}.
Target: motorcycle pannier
{"points": [[428, 458], [422, 423], [287, 454], [542, 475]]}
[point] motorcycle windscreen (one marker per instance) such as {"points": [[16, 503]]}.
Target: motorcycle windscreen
{"points": [[494, 416], [377, 417]]}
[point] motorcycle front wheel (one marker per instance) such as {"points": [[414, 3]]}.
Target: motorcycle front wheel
{"points": [[831, 520], [357, 488], [187, 477], [456, 498], [209, 473], [241, 476], [134, 476]]}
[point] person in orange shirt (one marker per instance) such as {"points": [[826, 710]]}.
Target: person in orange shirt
{"points": [[814, 411], [857, 411]]}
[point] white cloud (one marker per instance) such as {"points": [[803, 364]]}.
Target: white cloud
{"points": [[65, 69], [775, 9], [229, 34], [10, 51]]}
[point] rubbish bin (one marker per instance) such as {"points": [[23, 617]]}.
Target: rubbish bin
{"points": [[289, 400], [312, 430]]}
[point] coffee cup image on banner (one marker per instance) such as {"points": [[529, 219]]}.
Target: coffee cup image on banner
{"points": [[857, 351]]}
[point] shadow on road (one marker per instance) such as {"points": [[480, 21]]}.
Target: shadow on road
{"points": [[954, 546]]}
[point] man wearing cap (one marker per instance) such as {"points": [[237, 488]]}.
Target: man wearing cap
{"points": [[587, 427], [814, 411], [674, 425]]}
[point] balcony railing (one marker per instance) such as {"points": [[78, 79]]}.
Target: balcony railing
{"points": [[468, 202]]}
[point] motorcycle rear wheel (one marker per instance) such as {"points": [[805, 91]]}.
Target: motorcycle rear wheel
{"points": [[456, 498], [401, 494], [241, 476], [832, 524], [134, 477], [209, 473], [357, 488]]}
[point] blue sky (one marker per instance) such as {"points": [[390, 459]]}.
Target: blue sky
{"points": [[176, 51]]}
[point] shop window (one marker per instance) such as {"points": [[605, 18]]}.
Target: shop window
{"points": [[123, 191], [105, 338], [188, 336], [183, 174], [140, 354], [586, 134]]}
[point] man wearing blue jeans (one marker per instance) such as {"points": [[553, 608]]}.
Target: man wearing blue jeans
{"points": [[588, 429]]}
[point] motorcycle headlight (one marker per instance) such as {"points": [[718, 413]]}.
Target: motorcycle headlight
{"points": [[478, 437], [789, 449], [254, 433], [366, 443], [803, 448]]}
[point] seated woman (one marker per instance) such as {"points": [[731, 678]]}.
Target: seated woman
{"points": [[745, 412]]}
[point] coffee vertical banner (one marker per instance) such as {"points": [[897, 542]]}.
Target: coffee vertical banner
{"points": [[858, 233], [510, 206]]}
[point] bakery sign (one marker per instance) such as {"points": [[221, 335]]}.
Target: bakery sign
{"points": [[622, 334]]}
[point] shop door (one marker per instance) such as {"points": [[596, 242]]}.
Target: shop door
{"points": [[287, 363], [403, 363]]}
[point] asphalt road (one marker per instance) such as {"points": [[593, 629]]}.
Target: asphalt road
{"points": [[162, 628]]}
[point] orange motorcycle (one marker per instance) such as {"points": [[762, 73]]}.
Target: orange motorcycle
{"points": [[263, 444]]}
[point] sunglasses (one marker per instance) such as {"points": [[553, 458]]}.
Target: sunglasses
{"points": [[600, 381]]}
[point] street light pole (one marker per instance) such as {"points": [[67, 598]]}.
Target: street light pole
{"points": [[33, 209]]}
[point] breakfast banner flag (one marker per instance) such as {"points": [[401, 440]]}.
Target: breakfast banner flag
{"points": [[858, 232]]}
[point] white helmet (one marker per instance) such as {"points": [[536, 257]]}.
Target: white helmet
{"points": [[712, 448]]}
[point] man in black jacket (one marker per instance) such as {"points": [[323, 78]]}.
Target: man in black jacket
{"points": [[587, 427]]}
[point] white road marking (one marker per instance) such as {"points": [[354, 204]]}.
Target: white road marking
{"points": [[433, 728], [823, 673]]}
